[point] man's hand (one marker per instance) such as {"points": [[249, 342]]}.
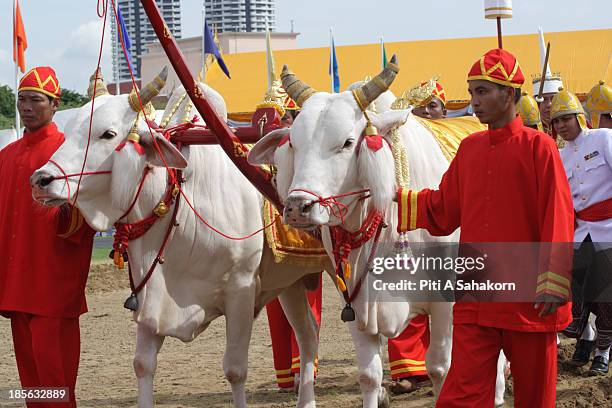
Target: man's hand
{"points": [[548, 304]]}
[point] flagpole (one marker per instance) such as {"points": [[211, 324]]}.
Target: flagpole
{"points": [[331, 57], [269, 57], [382, 52], [203, 71], [117, 48], [15, 50]]}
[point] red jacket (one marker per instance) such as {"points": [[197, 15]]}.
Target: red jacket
{"points": [[504, 185], [45, 252]]}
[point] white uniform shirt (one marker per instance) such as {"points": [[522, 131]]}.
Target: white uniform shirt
{"points": [[588, 165]]}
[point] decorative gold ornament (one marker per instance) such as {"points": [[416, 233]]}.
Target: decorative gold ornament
{"points": [[418, 95], [197, 91], [275, 98], [98, 85], [599, 101], [161, 209], [566, 103], [528, 110]]}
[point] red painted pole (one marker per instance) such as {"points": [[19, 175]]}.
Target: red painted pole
{"points": [[222, 132]]}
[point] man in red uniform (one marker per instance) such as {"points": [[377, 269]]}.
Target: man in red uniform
{"points": [[45, 251], [506, 184], [285, 350]]}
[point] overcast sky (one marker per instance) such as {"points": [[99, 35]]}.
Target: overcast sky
{"points": [[66, 33]]}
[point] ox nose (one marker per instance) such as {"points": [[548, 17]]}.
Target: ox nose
{"points": [[297, 208], [41, 179]]}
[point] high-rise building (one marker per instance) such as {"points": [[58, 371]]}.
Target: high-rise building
{"points": [[240, 15], [141, 33]]}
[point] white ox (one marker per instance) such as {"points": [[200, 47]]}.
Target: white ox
{"points": [[324, 158], [204, 275]]}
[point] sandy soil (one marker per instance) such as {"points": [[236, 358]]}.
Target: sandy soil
{"points": [[190, 375]]}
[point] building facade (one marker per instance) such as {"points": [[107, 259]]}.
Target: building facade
{"points": [[141, 32], [240, 15]]}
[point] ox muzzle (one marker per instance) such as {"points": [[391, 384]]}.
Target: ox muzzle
{"points": [[304, 211]]}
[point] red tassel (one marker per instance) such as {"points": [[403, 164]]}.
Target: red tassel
{"points": [[375, 142], [137, 146]]}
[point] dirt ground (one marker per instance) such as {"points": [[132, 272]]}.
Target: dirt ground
{"points": [[190, 375]]}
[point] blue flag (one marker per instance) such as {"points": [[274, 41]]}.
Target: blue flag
{"points": [[123, 33], [333, 68], [211, 48]]}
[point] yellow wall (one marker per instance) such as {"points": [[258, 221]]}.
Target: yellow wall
{"points": [[580, 56]]}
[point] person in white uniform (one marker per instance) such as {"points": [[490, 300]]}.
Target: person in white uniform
{"points": [[587, 159]]}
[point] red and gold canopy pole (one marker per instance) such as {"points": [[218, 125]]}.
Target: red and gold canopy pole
{"points": [[498, 9], [227, 140]]}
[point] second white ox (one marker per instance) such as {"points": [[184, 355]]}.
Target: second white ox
{"points": [[327, 156], [204, 275]]}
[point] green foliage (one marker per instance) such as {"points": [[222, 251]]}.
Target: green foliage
{"points": [[7, 102], [71, 99], [6, 123]]}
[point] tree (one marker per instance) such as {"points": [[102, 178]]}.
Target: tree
{"points": [[7, 102], [72, 99], [7, 123]]}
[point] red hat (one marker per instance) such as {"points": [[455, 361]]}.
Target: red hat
{"points": [[439, 93], [498, 66], [41, 79]]}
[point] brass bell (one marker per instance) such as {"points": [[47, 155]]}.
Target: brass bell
{"points": [[161, 209], [348, 313], [131, 303]]}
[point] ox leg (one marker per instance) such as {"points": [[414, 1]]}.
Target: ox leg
{"points": [[438, 357], [370, 370], [295, 305], [145, 363], [500, 384], [239, 314]]}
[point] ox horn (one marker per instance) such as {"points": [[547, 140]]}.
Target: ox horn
{"points": [[98, 85], [367, 93], [296, 89], [149, 91]]}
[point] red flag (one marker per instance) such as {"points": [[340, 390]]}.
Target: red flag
{"points": [[20, 44]]}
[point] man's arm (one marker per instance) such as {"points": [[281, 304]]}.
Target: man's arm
{"points": [[607, 146], [556, 217], [435, 210]]}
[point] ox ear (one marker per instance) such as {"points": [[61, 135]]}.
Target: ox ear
{"points": [[263, 151], [387, 120], [173, 157]]}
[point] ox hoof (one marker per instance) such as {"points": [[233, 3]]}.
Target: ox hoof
{"points": [[383, 399], [296, 384]]}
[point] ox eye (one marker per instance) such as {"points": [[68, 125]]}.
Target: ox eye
{"points": [[348, 143], [109, 134]]}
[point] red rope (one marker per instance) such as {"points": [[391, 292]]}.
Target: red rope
{"points": [[102, 14], [336, 208], [65, 176], [344, 242], [140, 185]]}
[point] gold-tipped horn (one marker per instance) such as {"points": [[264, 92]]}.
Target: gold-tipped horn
{"points": [[98, 85], [367, 93], [149, 91], [296, 89]]}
